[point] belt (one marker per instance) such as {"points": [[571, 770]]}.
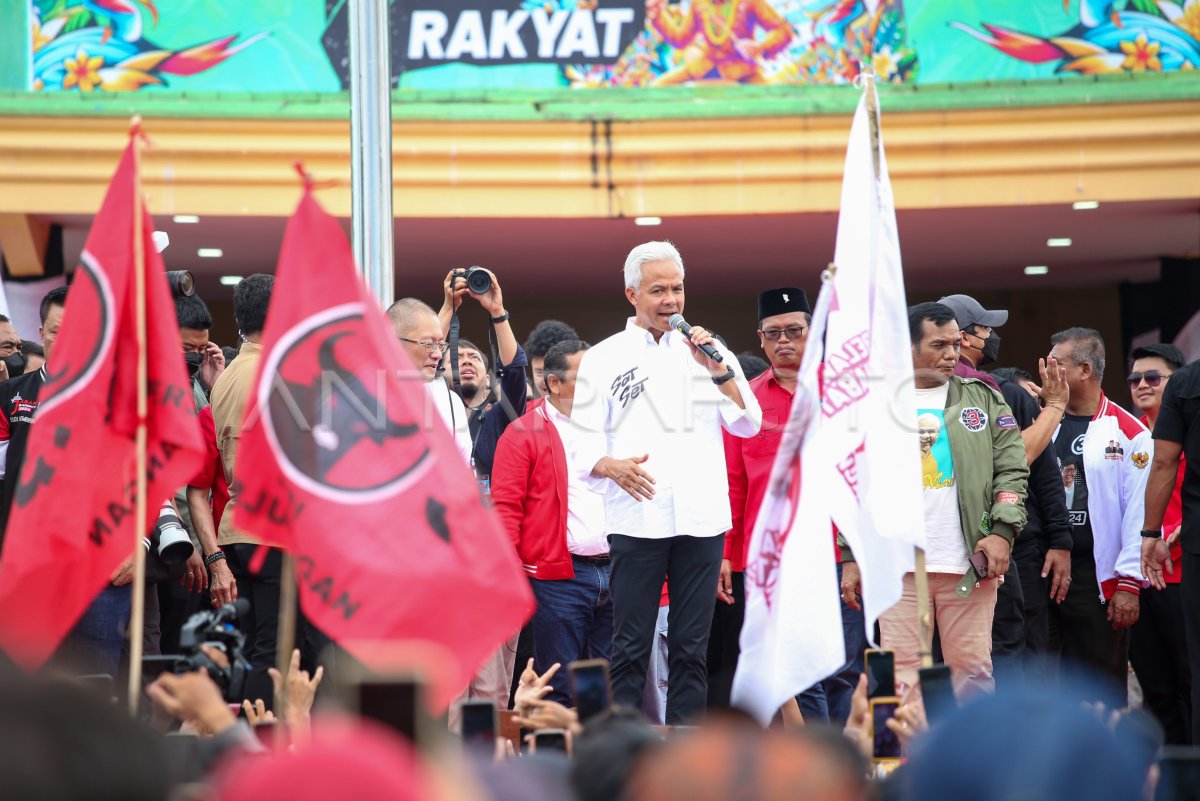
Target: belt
{"points": [[591, 560]]}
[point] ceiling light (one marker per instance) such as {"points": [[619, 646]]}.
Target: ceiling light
{"points": [[210, 253], [186, 219], [647, 221], [1085, 205], [1037, 269], [1059, 242], [161, 240], [231, 280]]}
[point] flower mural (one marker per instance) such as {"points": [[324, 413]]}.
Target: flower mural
{"points": [[1111, 36], [89, 45]]}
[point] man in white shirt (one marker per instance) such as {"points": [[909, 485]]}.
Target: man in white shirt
{"points": [[420, 334], [655, 405]]}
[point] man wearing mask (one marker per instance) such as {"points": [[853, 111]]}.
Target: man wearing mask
{"points": [[1041, 560]]}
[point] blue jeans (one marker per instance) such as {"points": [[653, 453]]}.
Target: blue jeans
{"points": [[574, 620], [94, 644], [839, 688]]}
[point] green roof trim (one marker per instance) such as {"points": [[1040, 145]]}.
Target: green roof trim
{"points": [[621, 104]]}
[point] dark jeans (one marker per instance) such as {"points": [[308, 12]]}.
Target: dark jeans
{"points": [[1190, 587], [839, 688], [1158, 651], [574, 620], [94, 644], [1083, 637], [1035, 593], [261, 623], [723, 644], [1008, 629], [639, 565]]}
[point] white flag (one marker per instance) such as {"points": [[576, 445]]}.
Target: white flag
{"points": [[792, 634], [868, 404]]}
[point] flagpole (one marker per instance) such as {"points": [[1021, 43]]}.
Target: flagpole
{"points": [[921, 577], [137, 622], [285, 637]]}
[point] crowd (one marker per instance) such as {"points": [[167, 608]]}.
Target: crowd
{"points": [[1061, 558]]}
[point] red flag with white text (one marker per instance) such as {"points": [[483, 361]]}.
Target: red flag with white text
{"points": [[341, 461], [72, 518]]}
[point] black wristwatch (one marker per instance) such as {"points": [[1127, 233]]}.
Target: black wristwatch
{"points": [[500, 319], [721, 379], [1151, 533]]}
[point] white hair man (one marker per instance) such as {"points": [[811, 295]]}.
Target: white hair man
{"points": [[657, 405]]}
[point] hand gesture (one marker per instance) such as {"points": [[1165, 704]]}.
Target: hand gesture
{"points": [[857, 727], [1053, 390], [629, 476], [701, 336], [1058, 567], [908, 722], [192, 698], [852, 585], [725, 582], [1123, 610], [257, 712], [298, 691], [547, 715], [212, 363], [531, 687]]}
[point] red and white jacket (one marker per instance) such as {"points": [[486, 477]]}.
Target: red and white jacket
{"points": [[1116, 481], [529, 490]]}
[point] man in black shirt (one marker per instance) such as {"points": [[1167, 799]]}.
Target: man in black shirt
{"points": [[1176, 433]]}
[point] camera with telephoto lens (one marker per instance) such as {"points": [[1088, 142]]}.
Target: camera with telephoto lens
{"points": [[478, 279], [181, 282], [174, 544], [216, 628]]}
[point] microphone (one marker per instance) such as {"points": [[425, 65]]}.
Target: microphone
{"points": [[679, 324]]}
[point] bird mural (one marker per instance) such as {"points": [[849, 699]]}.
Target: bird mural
{"points": [[90, 45], [1111, 36]]}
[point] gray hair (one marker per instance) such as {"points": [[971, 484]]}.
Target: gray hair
{"points": [[1087, 347], [405, 313], [646, 254]]}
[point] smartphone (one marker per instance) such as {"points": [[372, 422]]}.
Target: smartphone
{"points": [[886, 744], [590, 687], [979, 563], [479, 724], [1179, 778], [881, 672], [550, 740], [937, 693], [396, 702]]}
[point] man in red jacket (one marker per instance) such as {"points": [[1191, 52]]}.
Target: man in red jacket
{"points": [[556, 523]]}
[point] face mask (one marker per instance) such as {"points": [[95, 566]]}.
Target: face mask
{"points": [[15, 363], [991, 350], [193, 363]]}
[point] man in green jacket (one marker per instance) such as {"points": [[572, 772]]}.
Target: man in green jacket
{"points": [[974, 475]]}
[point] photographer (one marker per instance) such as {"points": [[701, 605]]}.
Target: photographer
{"points": [[205, 359], [487, 417]]}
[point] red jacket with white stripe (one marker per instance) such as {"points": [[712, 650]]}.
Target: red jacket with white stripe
{"points": [[1116, 480], [529, 490]]}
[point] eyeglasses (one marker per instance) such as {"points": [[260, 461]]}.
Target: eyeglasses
{"points": [[1152, 378], [793, 333], [427, 344]]}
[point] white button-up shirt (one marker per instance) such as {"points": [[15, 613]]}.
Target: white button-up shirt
{"points": [[587, 534], [452, 413], [636, 396]]}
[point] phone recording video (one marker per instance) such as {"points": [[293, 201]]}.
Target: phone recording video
{"points": [[881, 673], [550, 740], [590, 687], [937, 693], [886, 744], [479, 725]]}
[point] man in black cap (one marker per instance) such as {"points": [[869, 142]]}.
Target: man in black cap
{"points": [[783, 319], [1041, 563]]}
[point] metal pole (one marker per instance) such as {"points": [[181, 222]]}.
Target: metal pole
{"points": [[371, 145]]}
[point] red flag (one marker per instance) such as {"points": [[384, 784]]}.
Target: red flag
{"points": [[72, 519], [342, 460]]}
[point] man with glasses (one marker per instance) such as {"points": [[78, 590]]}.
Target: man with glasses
{"points": [[1157, 646], [1110, 452]]}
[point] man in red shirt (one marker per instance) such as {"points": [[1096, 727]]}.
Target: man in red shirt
{"points": [[783, 316], [1157, 647]]}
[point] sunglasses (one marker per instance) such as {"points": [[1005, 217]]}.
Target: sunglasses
{"points": [[1152, 378]]}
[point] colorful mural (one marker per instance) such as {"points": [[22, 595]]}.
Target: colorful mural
{"points": [[87, 45], [300, 45], [1109, 36]]}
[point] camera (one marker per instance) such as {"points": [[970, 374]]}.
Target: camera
{"points": [[181, 282], [478, 279], [174, 544], [215, 627]]}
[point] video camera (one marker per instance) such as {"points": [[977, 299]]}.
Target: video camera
{"points": [[478, 280], [215, 627]]}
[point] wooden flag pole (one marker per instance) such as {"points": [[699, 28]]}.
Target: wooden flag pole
{"points": [[285, 639], [137, 622]]}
